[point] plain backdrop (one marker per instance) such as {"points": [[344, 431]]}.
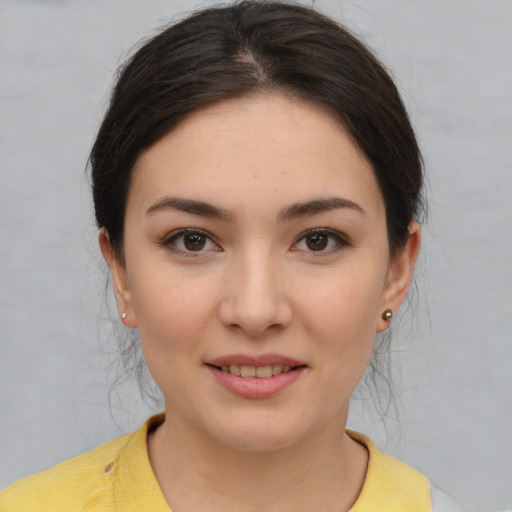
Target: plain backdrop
{"points": [[452, 60]]}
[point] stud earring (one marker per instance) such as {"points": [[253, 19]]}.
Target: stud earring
{"points": [[388, 314], [123, 316]]}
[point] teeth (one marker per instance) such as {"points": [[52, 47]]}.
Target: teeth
{"points": [[234, 369], [261, 372], [248, 371], [264, 372], [277, 369]]}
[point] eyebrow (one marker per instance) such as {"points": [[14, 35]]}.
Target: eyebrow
{"points": [[192, 206], [293, 211], [317, 206]]}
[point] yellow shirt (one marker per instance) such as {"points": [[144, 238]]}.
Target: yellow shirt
{"points": [[117, 477]]}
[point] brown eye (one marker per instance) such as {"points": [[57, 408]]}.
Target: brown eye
{"points": [[321, 241], [194, 241], [317, 241], [191, 242]]}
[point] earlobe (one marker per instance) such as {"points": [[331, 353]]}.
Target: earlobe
{"points": [[119, 280], [399, 277]]}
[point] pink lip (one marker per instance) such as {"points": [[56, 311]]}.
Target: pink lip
{"points": [[261, 360], [253, 387]]}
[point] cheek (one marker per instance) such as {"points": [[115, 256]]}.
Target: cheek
{"points": [[173, 319], [172, 311], [339, 314], [346, 301]]}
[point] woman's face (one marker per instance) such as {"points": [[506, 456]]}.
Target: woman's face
{"points": [[255, 243]]}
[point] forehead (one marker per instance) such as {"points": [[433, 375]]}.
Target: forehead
{"points": [[257, 151]]}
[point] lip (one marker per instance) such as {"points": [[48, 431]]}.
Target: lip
{"points": [[253, 387], [261, 360]]}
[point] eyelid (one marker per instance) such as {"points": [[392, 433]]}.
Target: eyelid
{"points": [[341, 240], [168, 240]]}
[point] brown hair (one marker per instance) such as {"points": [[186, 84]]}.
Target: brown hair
{"points": [[255, 47], [246, 48]]}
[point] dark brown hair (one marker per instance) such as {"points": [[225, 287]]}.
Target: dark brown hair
{"points": [[254, 47], [258, 47]]}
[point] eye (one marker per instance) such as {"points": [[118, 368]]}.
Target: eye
{"points": [[190, 241], [320, 240]]}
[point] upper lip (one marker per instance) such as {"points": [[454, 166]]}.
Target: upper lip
{"points": [[261, 360]]}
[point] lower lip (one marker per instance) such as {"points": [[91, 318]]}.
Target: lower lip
{"points": [[252, 387]]}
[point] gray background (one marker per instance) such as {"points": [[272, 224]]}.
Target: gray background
{"points": [[453, 62]]}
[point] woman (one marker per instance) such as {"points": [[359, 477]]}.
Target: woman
{"points": [[257, 186]]}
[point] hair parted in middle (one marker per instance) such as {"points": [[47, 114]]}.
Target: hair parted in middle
{"points": [[249, 48], [255, 47]]}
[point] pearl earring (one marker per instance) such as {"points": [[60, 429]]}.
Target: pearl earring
{"points": [[387, 315]]}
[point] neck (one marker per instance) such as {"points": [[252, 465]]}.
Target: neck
{"points": [[322, 472]]}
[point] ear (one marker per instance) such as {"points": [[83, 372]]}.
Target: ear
{"points": [[400, 274], [119, 281]]}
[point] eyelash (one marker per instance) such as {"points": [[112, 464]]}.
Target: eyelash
{"points": [[171, 240], [339, 240]]}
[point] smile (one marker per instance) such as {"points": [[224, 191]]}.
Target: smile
{"points": [[256, 377], [256, 381], [260, 372]]}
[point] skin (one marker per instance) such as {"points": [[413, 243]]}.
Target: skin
{"points": [[257, 287]]}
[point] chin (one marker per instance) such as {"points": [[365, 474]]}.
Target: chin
{"points": [[253, 434], [261, 442]]}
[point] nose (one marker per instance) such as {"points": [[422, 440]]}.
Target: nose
{"points": [[254, 298]]}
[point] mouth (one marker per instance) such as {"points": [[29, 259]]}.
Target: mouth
{"points": [[259, 372], [259, 377]]}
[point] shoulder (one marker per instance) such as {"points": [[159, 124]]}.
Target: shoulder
{"points": [[393, 486], [72, 485]]}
